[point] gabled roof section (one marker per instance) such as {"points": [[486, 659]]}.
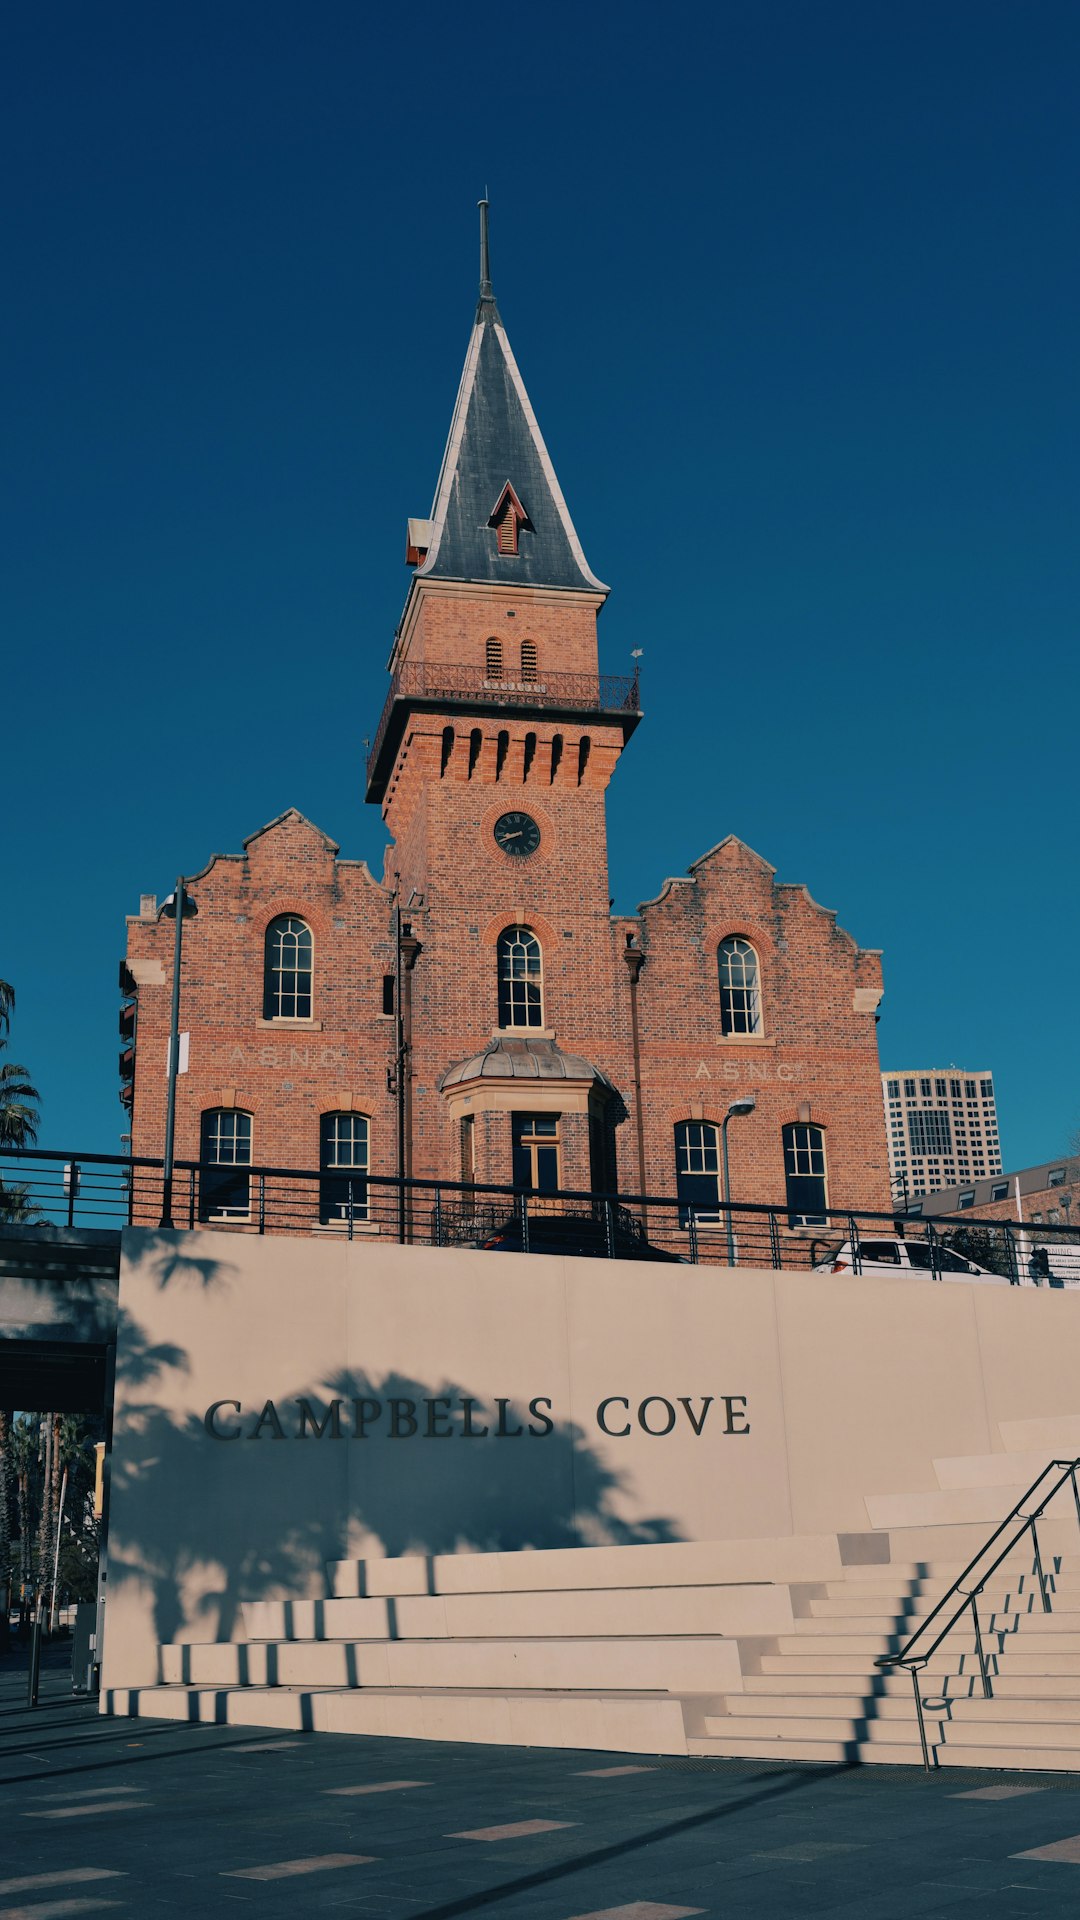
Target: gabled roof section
{"points": [[291, 817], [495, 440]]}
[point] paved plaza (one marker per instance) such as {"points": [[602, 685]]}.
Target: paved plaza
{"points": [[143, 1817]]}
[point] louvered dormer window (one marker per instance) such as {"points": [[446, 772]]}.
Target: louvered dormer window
{"points": [[508, 516], [528, 660], [493, 660]]}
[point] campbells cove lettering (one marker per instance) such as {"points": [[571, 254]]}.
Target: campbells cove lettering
{"points": [[395, 1418], [444, 1417], [658, 1416]]}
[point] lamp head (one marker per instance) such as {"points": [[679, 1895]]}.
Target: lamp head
{"points": [[168, 907], [745, 1104]]}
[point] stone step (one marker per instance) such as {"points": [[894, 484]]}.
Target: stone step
{"points": [[557, 1615], [997, 1732], [1026, 1759], [949, 1507], [960, 1541], [678, 1563], [1033, 1686], [643, 1723], [998, 1598], [857, 1684], [813, 1706], [794, 1657], [1024, 1660], [742, 1746], [671, 1665], [1015, 1470], [1027, 1707]]}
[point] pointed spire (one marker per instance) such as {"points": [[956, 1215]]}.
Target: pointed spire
{"points": [[495, 454], [486, 309]]}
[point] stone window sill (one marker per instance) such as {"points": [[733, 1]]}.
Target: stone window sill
{"points": [[304, 1026], [746, 1040]]}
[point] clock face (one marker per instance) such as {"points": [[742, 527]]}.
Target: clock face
{"points": [[517, 834]]}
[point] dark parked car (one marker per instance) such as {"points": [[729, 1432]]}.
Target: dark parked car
{"points": [[577, 1233]]}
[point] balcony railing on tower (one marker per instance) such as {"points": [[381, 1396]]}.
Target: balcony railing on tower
{"points": [[448, 687]]}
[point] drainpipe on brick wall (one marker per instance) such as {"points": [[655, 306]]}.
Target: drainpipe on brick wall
{"points": [[406, 948], [635, 960]]}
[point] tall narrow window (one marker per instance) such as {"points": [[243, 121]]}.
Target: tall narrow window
{"points": [[287, 969], [476, 741], [468, 1149], [697, 1169], [447, 749], [343, 1167], [521, 978], [536, 1152], [502, 748], [529, 756], [804, 1172], [528, 660], [224, 1164], [584, 745], [493, 660], [556, 754], [740, 997]]}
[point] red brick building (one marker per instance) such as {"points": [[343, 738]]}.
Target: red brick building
{"points": [[541, 1040]]}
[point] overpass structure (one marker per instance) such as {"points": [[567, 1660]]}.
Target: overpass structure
{"points": [[58, 1317]]}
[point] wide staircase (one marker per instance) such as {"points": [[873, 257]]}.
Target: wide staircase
{"points": [[755, 1648]]}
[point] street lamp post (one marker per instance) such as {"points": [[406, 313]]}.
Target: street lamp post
{"points": [[179, 906], [745, 1104]]}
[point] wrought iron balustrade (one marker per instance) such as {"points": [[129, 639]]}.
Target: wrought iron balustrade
{"points": [[452, 684]]}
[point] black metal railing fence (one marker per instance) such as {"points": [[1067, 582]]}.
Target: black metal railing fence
{"points": [[49, 1187]]}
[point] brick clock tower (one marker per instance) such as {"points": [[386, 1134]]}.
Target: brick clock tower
{"points": [[493, 754], [478, 1013]]}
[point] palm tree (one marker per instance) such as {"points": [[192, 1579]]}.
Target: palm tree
{"points": [[19, 1100], [18, 1106]]}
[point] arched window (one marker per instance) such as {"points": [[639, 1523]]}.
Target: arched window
{"points": [[447, 749], [528, 660], [740, 996], [493, 659], [225, 1161], [805, 1174], [287, 970], [343, 1166], [521, 979], [697, 1169], [476, 741]]}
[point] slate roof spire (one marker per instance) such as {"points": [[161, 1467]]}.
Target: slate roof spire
{"points": [[494, 444]]}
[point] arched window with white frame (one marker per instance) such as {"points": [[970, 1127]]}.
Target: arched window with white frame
{"points": [[740, 986], [287, 970], [521, 978]]}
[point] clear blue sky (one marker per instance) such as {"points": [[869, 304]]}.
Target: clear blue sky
{"points": [[794, 288]]}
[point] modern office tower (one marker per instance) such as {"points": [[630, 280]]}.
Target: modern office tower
{"points": [[942, 1129]]}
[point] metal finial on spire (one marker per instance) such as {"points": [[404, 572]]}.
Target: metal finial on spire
{"points": [[485, 252]]}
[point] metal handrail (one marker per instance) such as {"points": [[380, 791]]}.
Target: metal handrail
{"points": [[54, 1186], [968, 1597]]}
